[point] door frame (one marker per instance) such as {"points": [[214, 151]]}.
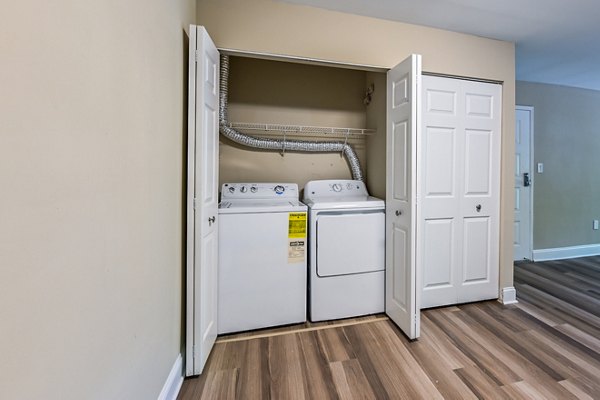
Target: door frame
{"points": [[531, 111]]}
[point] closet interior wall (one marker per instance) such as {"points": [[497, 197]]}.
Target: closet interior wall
{"points": [[289, 93]]}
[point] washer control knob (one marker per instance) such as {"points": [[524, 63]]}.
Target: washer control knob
{"points": [[336, 187], [254, 189], [243, 189], [279, 189], [231, 189]]}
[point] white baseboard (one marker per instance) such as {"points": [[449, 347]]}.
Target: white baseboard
{"points": [[172, 386], [508, 296], [562, 253]]}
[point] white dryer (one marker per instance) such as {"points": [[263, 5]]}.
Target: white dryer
{"points": [[346, 250], [262, 256]]}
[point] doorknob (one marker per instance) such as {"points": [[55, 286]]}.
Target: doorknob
{"points": [[478, 207], [526, 181], [398, 213], [211, 220]]}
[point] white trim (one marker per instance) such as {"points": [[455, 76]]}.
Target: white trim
{"points": [[174, 381], [561, 253], [530, 109], [508, 295]]}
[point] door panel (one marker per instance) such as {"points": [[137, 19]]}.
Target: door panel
{"points": [[399, 161], [400, 294], [480, 205], [401, 297], [439, 163], [350, 243], [478, 147], [438, 258], [202, 200], [470, 164], [477, 245]]}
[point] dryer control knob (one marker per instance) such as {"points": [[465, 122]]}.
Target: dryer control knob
{"points": [[279, 189], [253, 189], [231, 189], [336, 187], [243, 189]]}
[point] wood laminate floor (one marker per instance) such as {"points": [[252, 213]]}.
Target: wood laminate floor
{"points": [[545, 347]]}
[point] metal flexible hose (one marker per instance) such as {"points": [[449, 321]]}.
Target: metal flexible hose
{"points": [[278, 144]]}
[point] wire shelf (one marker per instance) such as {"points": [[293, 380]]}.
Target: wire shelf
{"points": [[302, 130]]}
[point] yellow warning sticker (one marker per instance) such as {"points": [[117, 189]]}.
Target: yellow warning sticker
{"points": [[297, 225]]}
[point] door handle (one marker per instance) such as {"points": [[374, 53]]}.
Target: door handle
{"points": [[478, 207], [211, 220], [526, 181], [398, 213]]}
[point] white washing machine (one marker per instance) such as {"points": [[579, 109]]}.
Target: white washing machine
{"points": [[346, 250], [262, 256]]}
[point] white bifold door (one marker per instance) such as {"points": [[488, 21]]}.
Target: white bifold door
{"points": [[458, 187], [202, 200], [401, 286]]}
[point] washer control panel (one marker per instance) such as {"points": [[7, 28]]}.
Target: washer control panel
{"points": [[259, 191], [334, 188]]}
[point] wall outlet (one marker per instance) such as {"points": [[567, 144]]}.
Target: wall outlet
{"points": [[595, 225]]}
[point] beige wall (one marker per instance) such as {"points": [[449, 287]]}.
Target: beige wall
{"points": [[264, 91], [91, 168], [567, 194], [280, 28]]}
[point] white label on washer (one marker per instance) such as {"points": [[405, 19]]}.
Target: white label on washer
{"points": [[296, 250]]}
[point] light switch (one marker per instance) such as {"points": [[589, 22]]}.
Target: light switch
{"points": [[540, 167], [595, 225]]}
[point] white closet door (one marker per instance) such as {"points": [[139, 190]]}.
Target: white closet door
{"points": [[459, 191], [202, 200], [401, 297]]}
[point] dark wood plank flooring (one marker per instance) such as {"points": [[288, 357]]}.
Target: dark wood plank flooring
{"points": [[545, 347]]}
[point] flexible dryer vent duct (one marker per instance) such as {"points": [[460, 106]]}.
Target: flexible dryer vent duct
{"points": [[278, 144]]}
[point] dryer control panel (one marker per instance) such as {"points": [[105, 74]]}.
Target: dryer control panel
{"points": [[255, 191], [341, 188]]}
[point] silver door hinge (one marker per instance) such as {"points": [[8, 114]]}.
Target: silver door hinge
{"points": [[194, 203], [198, 55]]}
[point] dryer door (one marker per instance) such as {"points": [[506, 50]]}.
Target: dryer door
{"points": [[350, 243]]}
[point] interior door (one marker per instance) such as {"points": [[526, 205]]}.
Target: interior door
{"points": [[202, 200], [440, 158], [523, 184], [403, 108], [459, 184], [480, 192]]}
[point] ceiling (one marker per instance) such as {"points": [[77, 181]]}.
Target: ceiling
{"points": [[557, 41]]}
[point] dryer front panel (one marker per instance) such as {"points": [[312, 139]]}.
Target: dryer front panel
{"points": [[350, 243]]}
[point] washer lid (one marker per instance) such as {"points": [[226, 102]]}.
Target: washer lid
{"points": [[260, 206]]}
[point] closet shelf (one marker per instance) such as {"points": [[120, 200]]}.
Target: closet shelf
{"points": [[302, 130]]}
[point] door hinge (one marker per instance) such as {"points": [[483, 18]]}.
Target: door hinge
{"points": [[194, 203], [198, 55]]}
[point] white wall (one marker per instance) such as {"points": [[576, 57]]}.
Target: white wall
{"points": [[280, 28], [91, 168]]}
